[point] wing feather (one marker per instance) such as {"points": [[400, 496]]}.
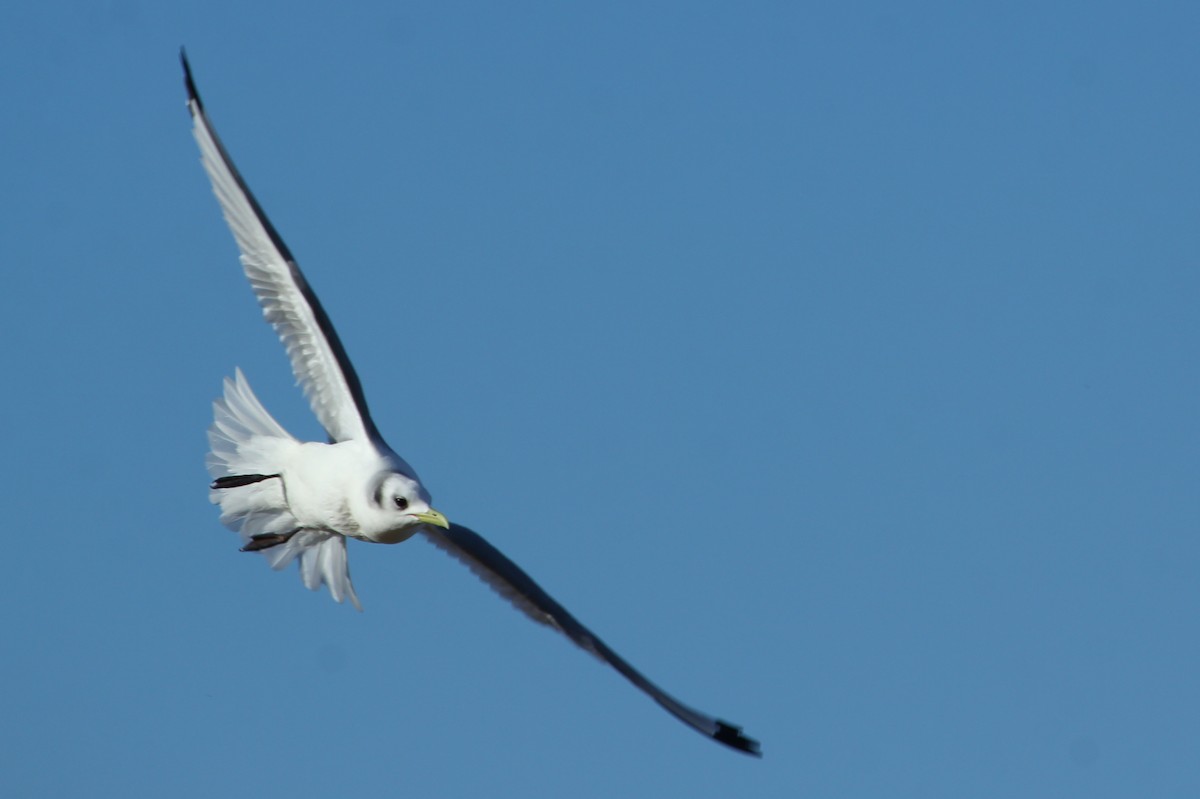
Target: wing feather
{"points": [[318, 359], [512, 583]]}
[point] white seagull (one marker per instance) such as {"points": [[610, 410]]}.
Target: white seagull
{"points": [[300, 500]]}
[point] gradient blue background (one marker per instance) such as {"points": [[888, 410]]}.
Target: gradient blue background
{"points": [[835, 362]]}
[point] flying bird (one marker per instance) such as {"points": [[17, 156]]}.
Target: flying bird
{"points": [[293, 500]]}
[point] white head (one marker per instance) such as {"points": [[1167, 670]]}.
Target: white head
{"points": [[399, 506]]}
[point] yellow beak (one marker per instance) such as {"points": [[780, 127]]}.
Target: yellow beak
{"points": [[433, 517]]}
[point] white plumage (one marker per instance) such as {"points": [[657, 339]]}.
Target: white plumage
{"points": [[294, 500], [245, 439]]}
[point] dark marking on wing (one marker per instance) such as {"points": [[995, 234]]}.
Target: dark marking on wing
{"points": [[511, 581], [322, 318]]}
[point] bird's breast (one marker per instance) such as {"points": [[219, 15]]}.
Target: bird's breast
{"points": [[324, 485]]}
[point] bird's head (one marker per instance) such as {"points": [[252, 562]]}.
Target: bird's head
{"points": [[400, 506]]}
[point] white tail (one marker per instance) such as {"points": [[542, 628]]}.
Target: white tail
{"points": [[246, 440]]}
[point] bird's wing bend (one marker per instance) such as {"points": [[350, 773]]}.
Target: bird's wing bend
{"points": [[289, 304], [512, 583]]}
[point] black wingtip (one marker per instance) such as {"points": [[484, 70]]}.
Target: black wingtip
{"points": [[193, 95], [731, 736]]}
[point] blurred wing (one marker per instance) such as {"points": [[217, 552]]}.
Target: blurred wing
{"points": [[289, 304], [512, 583]]}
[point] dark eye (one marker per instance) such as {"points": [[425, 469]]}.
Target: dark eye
{"points": [[401, 503]]}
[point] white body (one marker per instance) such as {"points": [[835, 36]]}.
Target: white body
{"points": [[325, 491], [294, 500]]}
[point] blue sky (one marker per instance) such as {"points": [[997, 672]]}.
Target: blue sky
{"points": [[835, 362]]}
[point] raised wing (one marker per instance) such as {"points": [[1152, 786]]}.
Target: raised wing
{"points": [[318, 359], [512, 583]]}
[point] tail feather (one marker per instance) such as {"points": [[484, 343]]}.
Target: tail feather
{"points": [[323, 561], [248, 444], [244, 436]]}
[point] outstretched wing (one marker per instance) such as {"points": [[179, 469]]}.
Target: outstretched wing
{"points": [[289, 304], [512, 583]]}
